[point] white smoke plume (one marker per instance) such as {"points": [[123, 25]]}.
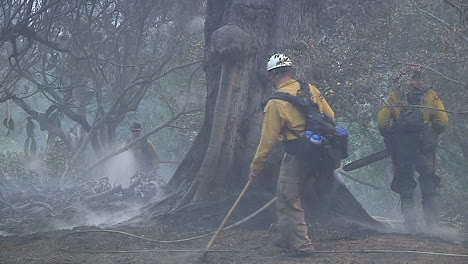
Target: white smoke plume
{"points": [[120, 169]]}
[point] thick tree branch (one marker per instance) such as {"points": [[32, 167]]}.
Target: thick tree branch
{"points": [[44, 122], [441, 21], [428, 107], [135, 142], [433, 70]]}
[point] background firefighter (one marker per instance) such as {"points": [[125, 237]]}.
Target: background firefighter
{"points": [[410, 134], [145, 154]]}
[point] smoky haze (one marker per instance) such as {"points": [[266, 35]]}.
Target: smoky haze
{"points": [[80, 204], [390, 214], [83, 71], [121, 168]]}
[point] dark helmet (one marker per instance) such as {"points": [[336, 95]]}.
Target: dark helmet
{"points": [[136, 126]]}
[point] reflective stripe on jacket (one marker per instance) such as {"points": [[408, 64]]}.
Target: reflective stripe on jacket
{"points": [[281, 116]]}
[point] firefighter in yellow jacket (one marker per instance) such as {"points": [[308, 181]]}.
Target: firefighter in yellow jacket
{"points": [[282, 122], [410, 122], [146, 157]]}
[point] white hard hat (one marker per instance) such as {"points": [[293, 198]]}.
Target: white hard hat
{"points": [[278, 60]]}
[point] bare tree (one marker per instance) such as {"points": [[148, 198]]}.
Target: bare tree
{"points": [[94, 61]]}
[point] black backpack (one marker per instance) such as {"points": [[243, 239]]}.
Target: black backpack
{"points": [[333, 146], [411, 118], [410, 129]]}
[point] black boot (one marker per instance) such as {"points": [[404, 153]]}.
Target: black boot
{"points": [[431, 210], [409, 214]]}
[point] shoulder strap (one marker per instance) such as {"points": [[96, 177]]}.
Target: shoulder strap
{"points": [[295, 100], [304, 87], [301, 101], [287, 97], [290, 98]]}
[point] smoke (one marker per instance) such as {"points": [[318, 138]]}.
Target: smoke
{"points": [[166, 171], [393, 222], [441, 231], [97, 218], [379, 202], [445, 233], [196, 25], [36, 164], [120, 169]]}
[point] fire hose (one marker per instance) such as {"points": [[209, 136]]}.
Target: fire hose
{"points": [[362, 251]]}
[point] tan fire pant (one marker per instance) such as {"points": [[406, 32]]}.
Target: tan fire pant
{"points": [[291, 224]]}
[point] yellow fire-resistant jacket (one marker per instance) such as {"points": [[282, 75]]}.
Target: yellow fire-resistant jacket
{"points": [[438, 120], [145, 154], [280, 117]]}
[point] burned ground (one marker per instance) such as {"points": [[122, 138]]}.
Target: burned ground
{"points": [[250, 242], [247, 245]]}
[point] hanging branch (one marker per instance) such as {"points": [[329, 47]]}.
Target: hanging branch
{"points": [[433, 70], [454, 6], [428, 107], [135, 142], [145, 136], [446, 24], [410, 64]]}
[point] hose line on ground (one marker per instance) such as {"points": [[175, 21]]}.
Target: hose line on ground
{"points": [[363, 251], [170, 241], [370, 251]]}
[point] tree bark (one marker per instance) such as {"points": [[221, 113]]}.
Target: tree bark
{"points": [[240, 36]]}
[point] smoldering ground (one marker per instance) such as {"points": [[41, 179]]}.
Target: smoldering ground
{"points": [[116, 192], [113, 194], [390, 215]]}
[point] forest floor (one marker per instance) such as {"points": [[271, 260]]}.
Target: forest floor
{"points": [[240, 246]]}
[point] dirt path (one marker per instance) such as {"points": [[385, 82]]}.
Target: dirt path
{"points": [[40, 248]]}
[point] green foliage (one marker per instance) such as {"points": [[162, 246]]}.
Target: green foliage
{"points": [[58, 157], [6, 144], [16, 173], [13, 174], [135, 44]]}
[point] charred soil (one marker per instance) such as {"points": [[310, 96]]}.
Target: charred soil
{"points": [[235, 246]]}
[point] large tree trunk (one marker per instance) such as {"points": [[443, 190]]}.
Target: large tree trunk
{"points": [[240, 36], [236, 81]]}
